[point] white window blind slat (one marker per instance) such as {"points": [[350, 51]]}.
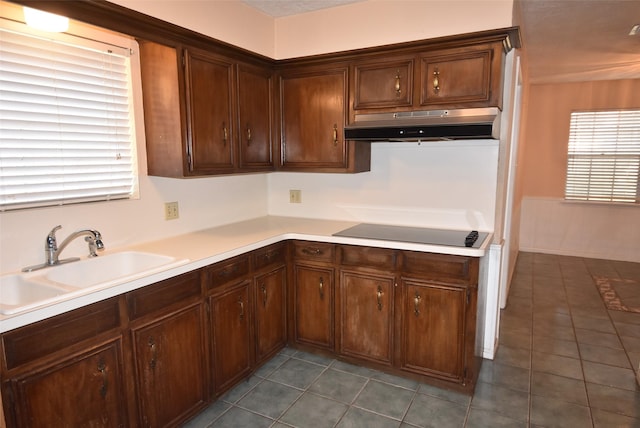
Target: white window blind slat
{"points": [[604, 156], [65, 122]]}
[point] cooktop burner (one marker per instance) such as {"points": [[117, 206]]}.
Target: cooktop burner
{"points": [[416, 235]]}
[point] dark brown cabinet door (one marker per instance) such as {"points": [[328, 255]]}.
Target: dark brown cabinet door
{"points": [[462, 77], [383, 84], [163, 124], [209, 111], [270, 313], [170, 363], [231, 328], [366, 315], [433, 329], [313, 114], [313, 306], [85, 390], [255, 107]]}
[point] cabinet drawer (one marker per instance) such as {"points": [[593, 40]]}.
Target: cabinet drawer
{"points": [[163, 294], [270, 255], [319, 251], [45, 337], [382, 258], [383, 84], [441, 267], [228, 270]]}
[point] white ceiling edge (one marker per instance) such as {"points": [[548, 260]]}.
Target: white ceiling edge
{"points": [[280, 8]]}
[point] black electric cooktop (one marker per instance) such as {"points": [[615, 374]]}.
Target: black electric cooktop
{"points": [[416, 235]]}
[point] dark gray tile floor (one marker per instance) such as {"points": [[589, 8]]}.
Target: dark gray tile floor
{"points": [[564, 360]]}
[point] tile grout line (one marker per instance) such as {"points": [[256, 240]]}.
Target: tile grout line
{"points": [[573, 328]]}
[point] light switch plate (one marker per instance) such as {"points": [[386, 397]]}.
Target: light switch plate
{"points": [[295, 196]]}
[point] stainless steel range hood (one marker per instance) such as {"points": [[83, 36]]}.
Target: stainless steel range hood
{"points": [[477, 123]]}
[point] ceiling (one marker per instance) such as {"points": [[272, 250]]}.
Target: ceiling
{"points": [[279, 8], [566, 40], [581, 40]]}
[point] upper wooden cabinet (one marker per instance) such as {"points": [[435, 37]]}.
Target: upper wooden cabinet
{"points": [[464, 76], [383, 84], [208, 112], [255, 118], [313, 111], [205, 113], [210, 127], [469, 76]]}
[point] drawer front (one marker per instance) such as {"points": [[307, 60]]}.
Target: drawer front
{"points": [[441, 267], [228, 270], [271, 255], [45, 337], [163, 294], [319, 251], [380, 258], [383, 84]]}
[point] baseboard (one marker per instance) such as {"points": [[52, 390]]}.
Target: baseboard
{"points": [[577, 253]]}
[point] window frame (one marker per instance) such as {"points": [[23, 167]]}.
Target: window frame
{"points": [[89, 36], [616, 152]]}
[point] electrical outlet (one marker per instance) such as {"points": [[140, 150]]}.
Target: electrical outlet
{"points": [[295, 196], [171, 211]]}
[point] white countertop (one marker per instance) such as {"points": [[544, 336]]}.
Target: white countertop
{"points": [[209, 246]]}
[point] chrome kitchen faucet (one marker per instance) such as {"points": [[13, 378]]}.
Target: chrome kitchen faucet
{"points": [[52, 250]]}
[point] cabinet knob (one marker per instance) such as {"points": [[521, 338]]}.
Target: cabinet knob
{"points": [[321, 288], [241, 303], [102, 368], [416, 304], [436, 81], [312, 251], [264, 294], [397, 86], [335, 134], [379, 295], [225, 133], [248, 135], [154, 352]]}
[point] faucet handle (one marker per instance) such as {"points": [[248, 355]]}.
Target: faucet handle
{"points": [[50, 242]]}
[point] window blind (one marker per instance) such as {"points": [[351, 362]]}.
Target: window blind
{"points": [[65, 131], [604, 156]]}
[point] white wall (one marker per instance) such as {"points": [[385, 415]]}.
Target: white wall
{"points": [[555, 226], [379, 22], [203, 203], [434, 184], [230, 21]]}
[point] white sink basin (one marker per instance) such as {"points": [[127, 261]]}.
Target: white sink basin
{"points": [[116, 267], [18, 293], [21, 292]]}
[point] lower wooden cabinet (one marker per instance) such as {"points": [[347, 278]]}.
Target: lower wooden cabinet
{"points": [[170, 363], [366, 316], [84, 390], [270, 312], [167, 331], [433, 327], [231, 348], [158, 355], [409, 313], [312, 312]]}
